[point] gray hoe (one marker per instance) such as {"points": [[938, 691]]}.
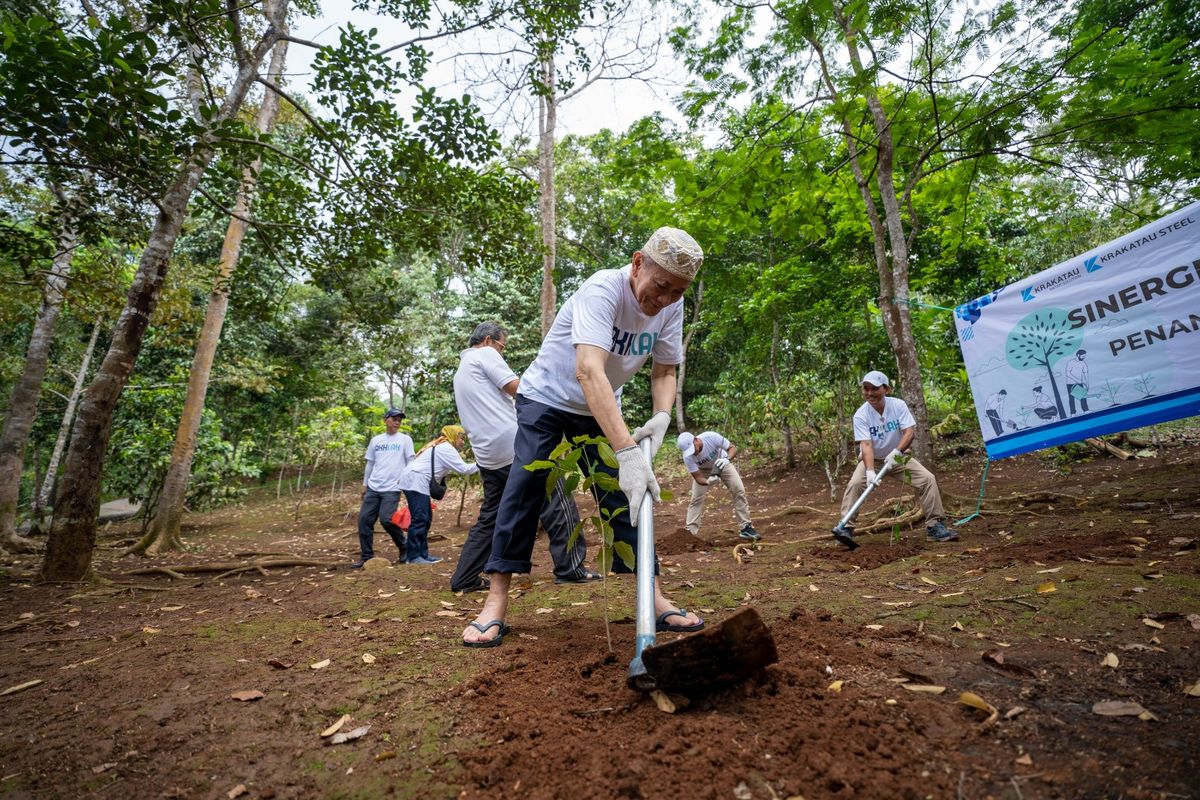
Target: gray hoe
{"points": [[702, 662], [843, 534]]}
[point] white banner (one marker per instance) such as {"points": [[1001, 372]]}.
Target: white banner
{"points": [[1104, 342]]}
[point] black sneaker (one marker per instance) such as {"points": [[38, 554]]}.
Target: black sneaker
{"points": [[749, 534], [482, 585], [938, 532], [358, 564]]}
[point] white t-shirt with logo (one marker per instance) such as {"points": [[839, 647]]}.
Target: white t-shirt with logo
{"points": [[713, 446], [883, 429], [386, 457], [603, 313], [484, 408]]}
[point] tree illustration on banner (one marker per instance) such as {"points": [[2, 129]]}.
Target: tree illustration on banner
{"points": [[1042, 339]]}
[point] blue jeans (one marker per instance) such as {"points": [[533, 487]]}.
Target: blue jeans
{"points": [[418, 529], [378, 506], [539, 430]]}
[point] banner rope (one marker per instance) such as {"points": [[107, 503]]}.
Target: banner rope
{"points": [[920, 304], [987, 465]]}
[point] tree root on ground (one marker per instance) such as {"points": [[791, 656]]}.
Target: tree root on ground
{"points": [[21, 545], [228, 568], [884, 524]]}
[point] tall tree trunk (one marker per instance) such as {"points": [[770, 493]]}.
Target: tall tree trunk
{"points": [[60, 443], [680, 419], [22, 406], [77, 499], [895, 303], [547, 118], [163, 533]]}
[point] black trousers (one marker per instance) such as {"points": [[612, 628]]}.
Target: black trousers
{"points": [[558, 515], [378, 506], [539, 430]]}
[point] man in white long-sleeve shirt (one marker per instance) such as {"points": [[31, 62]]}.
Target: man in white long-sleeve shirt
{"points": [[387, 455]]}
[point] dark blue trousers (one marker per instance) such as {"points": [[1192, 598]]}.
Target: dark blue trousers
{"points": [[378, 506], [539, 430], [418, 529]]}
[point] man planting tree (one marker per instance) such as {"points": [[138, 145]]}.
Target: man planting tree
{"points": [[709, 459], [603, 334]]}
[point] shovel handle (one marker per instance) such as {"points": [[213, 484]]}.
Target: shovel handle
{"points": [[638, 678]]}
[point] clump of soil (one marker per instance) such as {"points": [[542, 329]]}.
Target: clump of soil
{"points": [[681, 540]]}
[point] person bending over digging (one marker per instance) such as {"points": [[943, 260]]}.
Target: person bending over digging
{"points": [[709, 457], [603, 334], [884, 424]]}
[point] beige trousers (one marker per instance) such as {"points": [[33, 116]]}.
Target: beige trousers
{"points": [[733, 482], [922, 480]]}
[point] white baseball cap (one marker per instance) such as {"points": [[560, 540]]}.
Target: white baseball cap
{"points": [[875, 378], [684, 441]]}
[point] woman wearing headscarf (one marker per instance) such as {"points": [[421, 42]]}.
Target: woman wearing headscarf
{"points": [[433, 462]]}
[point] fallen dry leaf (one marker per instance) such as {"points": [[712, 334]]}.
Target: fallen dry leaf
{"points": [[663, 702], [1047, 587], [1193, 690], [357, 733], [957, 626], [1015, 711], [1139, 540], [365, 620], [1111, 660], [385, 755], [20, 687], [148, 629], [444, 613], [252, 593], [873, 627], [247, 695], [367, 658], [445, 604], [1011, 580], [1044, 571], [237, 791], [544, 611], [836, 686], [1024, 760], [320, 664], [1120, 708], [277, 664], [930, 581], [1150, 623], [924, 688], [170, 608], [975, 701], [335, 727], [812, 587]]}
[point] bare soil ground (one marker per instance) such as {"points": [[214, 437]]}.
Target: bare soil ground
{"points": [[1098, 565]]}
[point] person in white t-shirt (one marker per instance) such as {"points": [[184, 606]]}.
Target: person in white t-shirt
{"points": [[603, 334], [387, 455], [885, 425], [709, 458], [433, 462], [484, 388]]}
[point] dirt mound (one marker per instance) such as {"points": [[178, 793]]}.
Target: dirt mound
{"points": [[786, 730], [679, 541]]}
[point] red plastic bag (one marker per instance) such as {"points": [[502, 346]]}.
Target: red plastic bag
{"points": [[402, 518]]}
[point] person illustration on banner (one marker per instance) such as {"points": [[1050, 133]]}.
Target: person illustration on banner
{"points": [[994, 410], [1077, 382], [1043, 406]]}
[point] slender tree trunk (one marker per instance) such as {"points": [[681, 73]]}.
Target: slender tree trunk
{"points": [[163, 533], [22, 406], [789, 449], [894, 302], [547, 117], [77, 499], [680, 419], [60, 443]]}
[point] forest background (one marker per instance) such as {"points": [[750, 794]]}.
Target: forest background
{"points": [[167, 184]]}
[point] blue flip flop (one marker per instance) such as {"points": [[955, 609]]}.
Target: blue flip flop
{"points": [[496, 642], [661, 623]]}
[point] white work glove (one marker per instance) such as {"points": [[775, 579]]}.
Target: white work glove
{"points": [[720, 464], [890, 461], [714, 479], [655, 428], [871, 477], [636, 479]]}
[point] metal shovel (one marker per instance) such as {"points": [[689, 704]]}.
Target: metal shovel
{"points": [[714, 657], [843, 534]]}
